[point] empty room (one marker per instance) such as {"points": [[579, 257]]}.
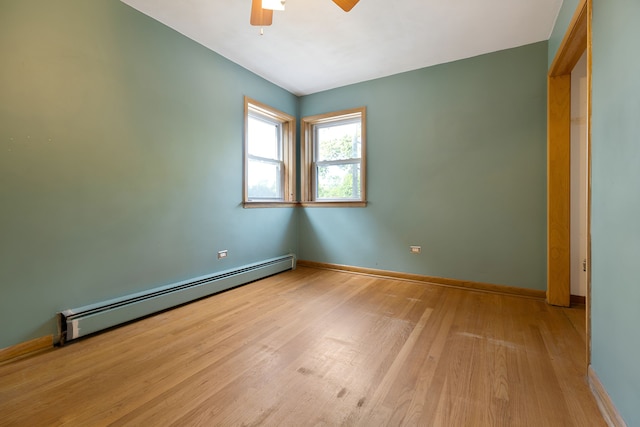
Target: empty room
{"points": [[319, 212]]}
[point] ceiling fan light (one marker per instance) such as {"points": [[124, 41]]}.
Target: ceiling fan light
{"points": [[273, 4]]}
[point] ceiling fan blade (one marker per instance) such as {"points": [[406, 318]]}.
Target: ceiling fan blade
{"points": [[260, 17], [346, 5]]}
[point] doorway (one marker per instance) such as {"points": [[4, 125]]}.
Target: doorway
{"points": [[579, 180], [577, 39]]}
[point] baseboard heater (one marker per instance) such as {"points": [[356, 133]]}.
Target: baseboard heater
{"points": [[78, 322]]}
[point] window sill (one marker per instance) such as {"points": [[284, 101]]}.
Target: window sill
{"points": [[334, 204], [328, 204], [250, 205]]}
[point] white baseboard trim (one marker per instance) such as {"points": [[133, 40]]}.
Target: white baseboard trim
{"points": [[608, 409]]}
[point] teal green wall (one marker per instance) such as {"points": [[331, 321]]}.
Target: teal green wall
{"points": [[615, 186], [120, 153], [120, 146], [562, 23], [456, 163], [120, 160]]}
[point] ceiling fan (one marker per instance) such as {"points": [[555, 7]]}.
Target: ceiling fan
{"points": [[262, 10]]}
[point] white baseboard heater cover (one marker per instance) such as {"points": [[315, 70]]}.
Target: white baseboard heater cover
{"points": [[78, 322]]}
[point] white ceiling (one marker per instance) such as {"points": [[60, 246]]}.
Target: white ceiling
{"points": [[313, 45]]}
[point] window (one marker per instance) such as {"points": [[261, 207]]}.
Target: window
{"points": [[334, 158], [269, 156]]}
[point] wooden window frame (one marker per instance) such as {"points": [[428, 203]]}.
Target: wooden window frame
{"points": [[288, 124], [307, 177]]}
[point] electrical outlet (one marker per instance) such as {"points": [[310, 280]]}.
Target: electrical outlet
{"points": [[223, 254], [415, 249]]}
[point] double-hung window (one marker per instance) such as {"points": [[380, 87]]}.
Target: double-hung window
{"points": [[269, 152], [334, 158]]}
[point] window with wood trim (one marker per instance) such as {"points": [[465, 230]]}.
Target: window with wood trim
{"points": [[334, 158], [269, 156]]}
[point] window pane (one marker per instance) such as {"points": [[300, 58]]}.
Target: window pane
{"points": [[263, 137], [338, 181], [263, 180], [339, 142]]}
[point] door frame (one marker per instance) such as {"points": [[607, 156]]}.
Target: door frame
{"points": [[576, 40]]}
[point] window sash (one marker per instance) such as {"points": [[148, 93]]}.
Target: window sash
{"points": [[356, 189], [354, 160], [318, 164], [257, 114], [278, 125], [336, 162], [279, 179], [334, 123], [272, 171]]}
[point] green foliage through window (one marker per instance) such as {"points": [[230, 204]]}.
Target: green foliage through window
{"points": [[338, 155], [334, 157]]}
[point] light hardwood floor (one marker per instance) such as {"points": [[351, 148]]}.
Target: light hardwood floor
{"points": [[314, 347]]}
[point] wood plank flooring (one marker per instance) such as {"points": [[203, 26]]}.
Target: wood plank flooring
{"points": [[318, 348]]}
